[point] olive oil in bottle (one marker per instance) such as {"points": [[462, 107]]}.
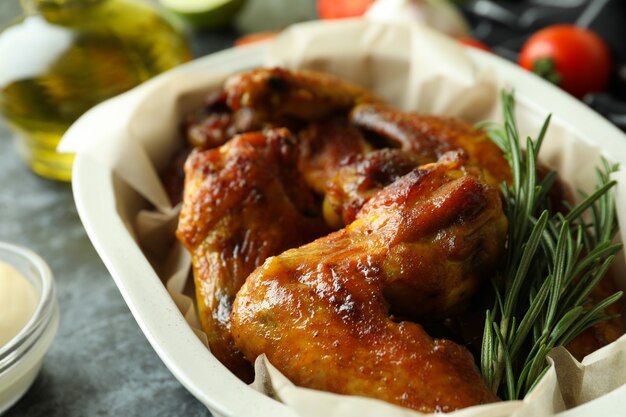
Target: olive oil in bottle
{"points": [[66, 56]]}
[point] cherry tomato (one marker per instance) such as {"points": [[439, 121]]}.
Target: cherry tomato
{"points": [[337, 9], [574, 58], [474, 43]]}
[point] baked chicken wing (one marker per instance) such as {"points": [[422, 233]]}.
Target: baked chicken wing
{"points": [[428, 137], [321, 312], [415, 139], [243, 202], [280, 96]]}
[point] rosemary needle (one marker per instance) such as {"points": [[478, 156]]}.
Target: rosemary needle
{"points": [[553, 262]]}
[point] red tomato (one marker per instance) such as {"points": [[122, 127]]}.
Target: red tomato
{"points": [[337, 9], [474, 43], [574, 58]]}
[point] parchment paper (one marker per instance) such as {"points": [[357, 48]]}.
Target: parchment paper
{"points": [[413, 68]]}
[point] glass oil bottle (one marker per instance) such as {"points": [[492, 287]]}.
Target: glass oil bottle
{"points": [[65, 56]]}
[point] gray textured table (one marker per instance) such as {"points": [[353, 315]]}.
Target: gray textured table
{"points": [[100, 363]]}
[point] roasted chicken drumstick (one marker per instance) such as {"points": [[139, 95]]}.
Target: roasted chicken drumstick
{"points": [[321, 312], [244, 202]]}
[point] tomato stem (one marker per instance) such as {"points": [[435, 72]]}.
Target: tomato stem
{"points": [[546, 69]]}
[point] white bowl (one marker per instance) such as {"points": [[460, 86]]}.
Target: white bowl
{"points": [[96, 192], [21, 357]]}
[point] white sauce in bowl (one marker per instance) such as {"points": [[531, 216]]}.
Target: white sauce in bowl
{"points": [[18, 301]]}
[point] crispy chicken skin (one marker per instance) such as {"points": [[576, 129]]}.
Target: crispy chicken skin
{"points": [[428, 137], [417, 139], [321, 312], [244, 202], [278, 95], [359, 178], [324, 146], [211, 126]]}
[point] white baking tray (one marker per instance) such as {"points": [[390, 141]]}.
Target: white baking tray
{"points": [[97, 195]]}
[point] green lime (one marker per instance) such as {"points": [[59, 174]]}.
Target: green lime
{"points": [[205, 14]]}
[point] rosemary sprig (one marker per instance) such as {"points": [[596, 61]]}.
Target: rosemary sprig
{"points": [[553, 262]]}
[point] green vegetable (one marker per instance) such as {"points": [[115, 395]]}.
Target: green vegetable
{"points": [[553, 262], [205, 14]]}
